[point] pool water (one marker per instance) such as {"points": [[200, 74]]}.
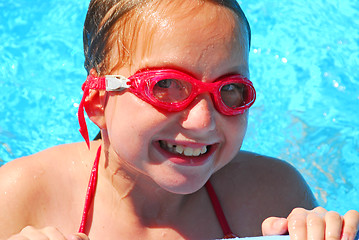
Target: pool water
{"points": [[303, 61]]}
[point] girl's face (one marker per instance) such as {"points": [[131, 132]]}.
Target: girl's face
{"points": [[180, 150]]}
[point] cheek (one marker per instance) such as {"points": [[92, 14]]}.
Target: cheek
{"points": [[131, 124], [115, 114], [236, 131]]}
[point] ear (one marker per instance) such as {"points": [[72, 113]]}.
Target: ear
{"points": [[94, 106]]}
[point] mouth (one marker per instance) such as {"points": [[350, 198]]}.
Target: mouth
{"points": [[182, 150]]}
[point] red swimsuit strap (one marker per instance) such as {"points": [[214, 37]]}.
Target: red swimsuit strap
{"points": [[219, 212], [91, 189]]}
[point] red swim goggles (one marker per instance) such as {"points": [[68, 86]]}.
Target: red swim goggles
{"points": [[172, 90]]}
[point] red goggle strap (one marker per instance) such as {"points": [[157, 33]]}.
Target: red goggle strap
{"points": [[91, 82]]}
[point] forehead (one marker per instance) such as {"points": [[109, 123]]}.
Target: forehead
{"points": [[182, 26], [199, 19]]}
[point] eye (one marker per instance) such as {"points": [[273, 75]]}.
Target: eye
{"points": [[233, 94], [165, 83], [229, 87], [171, 90], [233, 88]]}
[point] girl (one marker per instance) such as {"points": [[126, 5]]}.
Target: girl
{"points": [[168, 85]]}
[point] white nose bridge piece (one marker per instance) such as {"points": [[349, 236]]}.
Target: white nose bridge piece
{"points": [[116, 83]]}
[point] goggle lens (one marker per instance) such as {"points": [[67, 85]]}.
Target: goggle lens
{"points": [[171, 90], [234, 95]]}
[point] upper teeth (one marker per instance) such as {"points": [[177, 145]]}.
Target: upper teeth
{"points": [[187, 151]]}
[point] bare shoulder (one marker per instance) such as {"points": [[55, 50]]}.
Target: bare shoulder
{"points": [[29, 183], [269, 185]]}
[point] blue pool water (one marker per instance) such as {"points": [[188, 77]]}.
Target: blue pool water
{"points": [[304, 64]]}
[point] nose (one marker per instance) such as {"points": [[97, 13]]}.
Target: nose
{"points": [[199, 115]]}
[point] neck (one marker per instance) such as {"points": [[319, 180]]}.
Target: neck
{"points": [[132, 191]]}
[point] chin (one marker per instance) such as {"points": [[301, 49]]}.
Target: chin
{"points": [[183, 185], [182, 190]]}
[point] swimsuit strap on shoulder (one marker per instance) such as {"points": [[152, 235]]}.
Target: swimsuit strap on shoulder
{"points": [[219, 212], [91, 189]]}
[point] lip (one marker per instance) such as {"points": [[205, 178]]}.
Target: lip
{"points": [[184, 160]]}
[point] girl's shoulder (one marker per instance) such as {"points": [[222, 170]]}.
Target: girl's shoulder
{"points": [[268, 185], [38, 181], [257, 168], [53, 161], [257, 165]]}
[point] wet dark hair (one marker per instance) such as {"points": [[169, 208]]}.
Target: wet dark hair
{"points": [[102, 17]]}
